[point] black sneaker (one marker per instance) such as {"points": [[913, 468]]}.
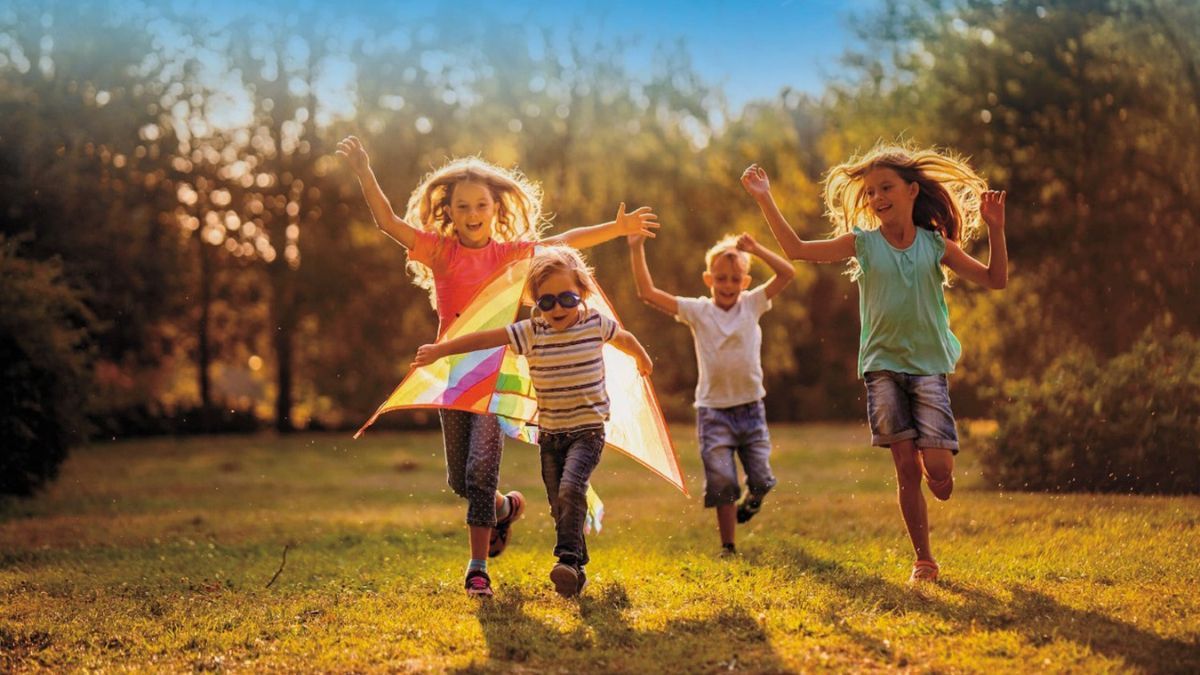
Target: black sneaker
{"points": [[566, 579], [582, 581], [728, 550], [478, 584], [747, 506], [502, 530]]}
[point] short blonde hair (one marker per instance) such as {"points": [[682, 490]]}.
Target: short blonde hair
{"points": [[727, 246], [548, 260]]}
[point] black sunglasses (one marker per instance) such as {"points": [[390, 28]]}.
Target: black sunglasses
{"points": [[567, 299]]}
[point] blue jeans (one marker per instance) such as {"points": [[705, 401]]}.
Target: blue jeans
{"points": [[568, 460], [473, 446], [901, 406], [724, 433]]}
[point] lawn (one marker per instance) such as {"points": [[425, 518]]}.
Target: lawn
{"points": [[156, 555]]}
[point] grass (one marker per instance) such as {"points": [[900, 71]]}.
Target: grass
{"points": [[155, 555]]}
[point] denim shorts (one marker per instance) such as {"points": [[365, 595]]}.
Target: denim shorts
{"points": [[902, 407], [728, 433]]}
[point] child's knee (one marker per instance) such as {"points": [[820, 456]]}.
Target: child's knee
{"points": [[570, 491]]}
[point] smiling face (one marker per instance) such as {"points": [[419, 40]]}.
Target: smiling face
{"points": [[473, 213], [726, 278], [890, 197], [560, 318]]}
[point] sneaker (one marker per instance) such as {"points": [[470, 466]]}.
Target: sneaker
{"points": [[728, 550], [924, 570], [478, 584], [503, 528], [582, 581], [747, 506], [566, 579]]}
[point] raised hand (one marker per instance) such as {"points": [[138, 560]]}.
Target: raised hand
{"points": [[991, 208], [644, 365], [426, 354], [352, 151], [755, 180], [641, 221], [746, 243]]}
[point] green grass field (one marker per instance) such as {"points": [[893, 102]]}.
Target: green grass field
{"points": [[155, 555]]}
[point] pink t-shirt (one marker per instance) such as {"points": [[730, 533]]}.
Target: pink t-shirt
{"points": [[458, 271]]}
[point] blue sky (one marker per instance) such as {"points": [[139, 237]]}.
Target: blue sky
{"points": [[752, 48]]}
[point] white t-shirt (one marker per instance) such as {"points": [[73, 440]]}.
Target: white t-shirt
{"points": [[728, 348]]}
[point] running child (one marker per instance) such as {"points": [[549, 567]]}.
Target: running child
{"points": [[563, 342], [730, 416], [900, 213]]}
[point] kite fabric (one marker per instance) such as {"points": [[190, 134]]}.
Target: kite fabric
{"points": [[496, 382]]}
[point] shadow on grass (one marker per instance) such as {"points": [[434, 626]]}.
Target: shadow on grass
{"points": [[604, 639], [1037, 617]]}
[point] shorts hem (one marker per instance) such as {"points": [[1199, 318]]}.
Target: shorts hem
{"points": [[938, 443], [885, 440]]}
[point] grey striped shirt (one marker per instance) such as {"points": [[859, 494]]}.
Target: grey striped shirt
{"points": [[567, 368]]}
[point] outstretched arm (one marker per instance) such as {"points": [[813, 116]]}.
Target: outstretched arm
{"points": [[641, 221], [471, 342], [995, 274], [646, 290], [784, 272], [626, 342], [352, 151], [755, 180]]}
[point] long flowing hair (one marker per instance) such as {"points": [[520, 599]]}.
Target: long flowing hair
{"points": [[947, 203], [518, 206]]}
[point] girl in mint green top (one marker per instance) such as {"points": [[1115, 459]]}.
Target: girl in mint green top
{"points": [[905, 323], [899, 215]]}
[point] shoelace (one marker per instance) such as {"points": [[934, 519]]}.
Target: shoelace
{"points": [[478, 583]]}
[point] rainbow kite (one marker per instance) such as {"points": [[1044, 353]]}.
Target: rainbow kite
{"points": [[496, 381]]}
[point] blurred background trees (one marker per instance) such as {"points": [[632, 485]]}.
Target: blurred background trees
{"points": [[179, 170]]}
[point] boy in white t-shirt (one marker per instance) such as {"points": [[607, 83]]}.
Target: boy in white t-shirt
{"points": [[730, 417]]}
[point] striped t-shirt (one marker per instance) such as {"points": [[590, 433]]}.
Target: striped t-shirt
{"points": [[567, 368]]}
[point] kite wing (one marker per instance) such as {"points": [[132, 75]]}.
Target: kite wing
{"points": [[496, 381]]}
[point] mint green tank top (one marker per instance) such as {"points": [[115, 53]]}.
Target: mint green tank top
{"points": [[905, 322]]}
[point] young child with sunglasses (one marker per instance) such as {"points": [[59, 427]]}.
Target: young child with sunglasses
{"points": [[563, 342]]}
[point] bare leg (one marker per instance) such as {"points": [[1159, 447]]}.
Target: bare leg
{"points": [[727, 522], [481, 537], [912, 502], [938, 466]]}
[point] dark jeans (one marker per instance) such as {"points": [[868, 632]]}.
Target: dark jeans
{"points": [[568, 460]]}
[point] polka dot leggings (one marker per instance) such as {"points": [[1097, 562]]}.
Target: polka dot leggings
{"points": [[473, 447]]}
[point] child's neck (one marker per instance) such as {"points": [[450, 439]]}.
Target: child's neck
{"points": [[899, 234]]}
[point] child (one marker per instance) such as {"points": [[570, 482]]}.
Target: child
{"points": [[730, 417], [465, 221], [899, 213], [563, 343]]}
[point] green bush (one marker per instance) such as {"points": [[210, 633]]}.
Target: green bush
{"points": [[1131, 424], [44, 370]]}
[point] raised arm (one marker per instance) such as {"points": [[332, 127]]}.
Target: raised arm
{"points": [[352, 151], [471, 342], [646, 290], [784, 272], [995, 274], [626, 342], [641, 221], [755, 180]]}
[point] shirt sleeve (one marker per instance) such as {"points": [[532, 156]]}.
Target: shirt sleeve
{"points": [[520, 336], [608, 328], [687, 309], [515, 250], [759, 302], [861, 248], [424, 248]]}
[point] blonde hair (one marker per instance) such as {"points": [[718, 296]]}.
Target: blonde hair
{"points": [[726, 246], [947, 202], [548, 260], [518, 206]]}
